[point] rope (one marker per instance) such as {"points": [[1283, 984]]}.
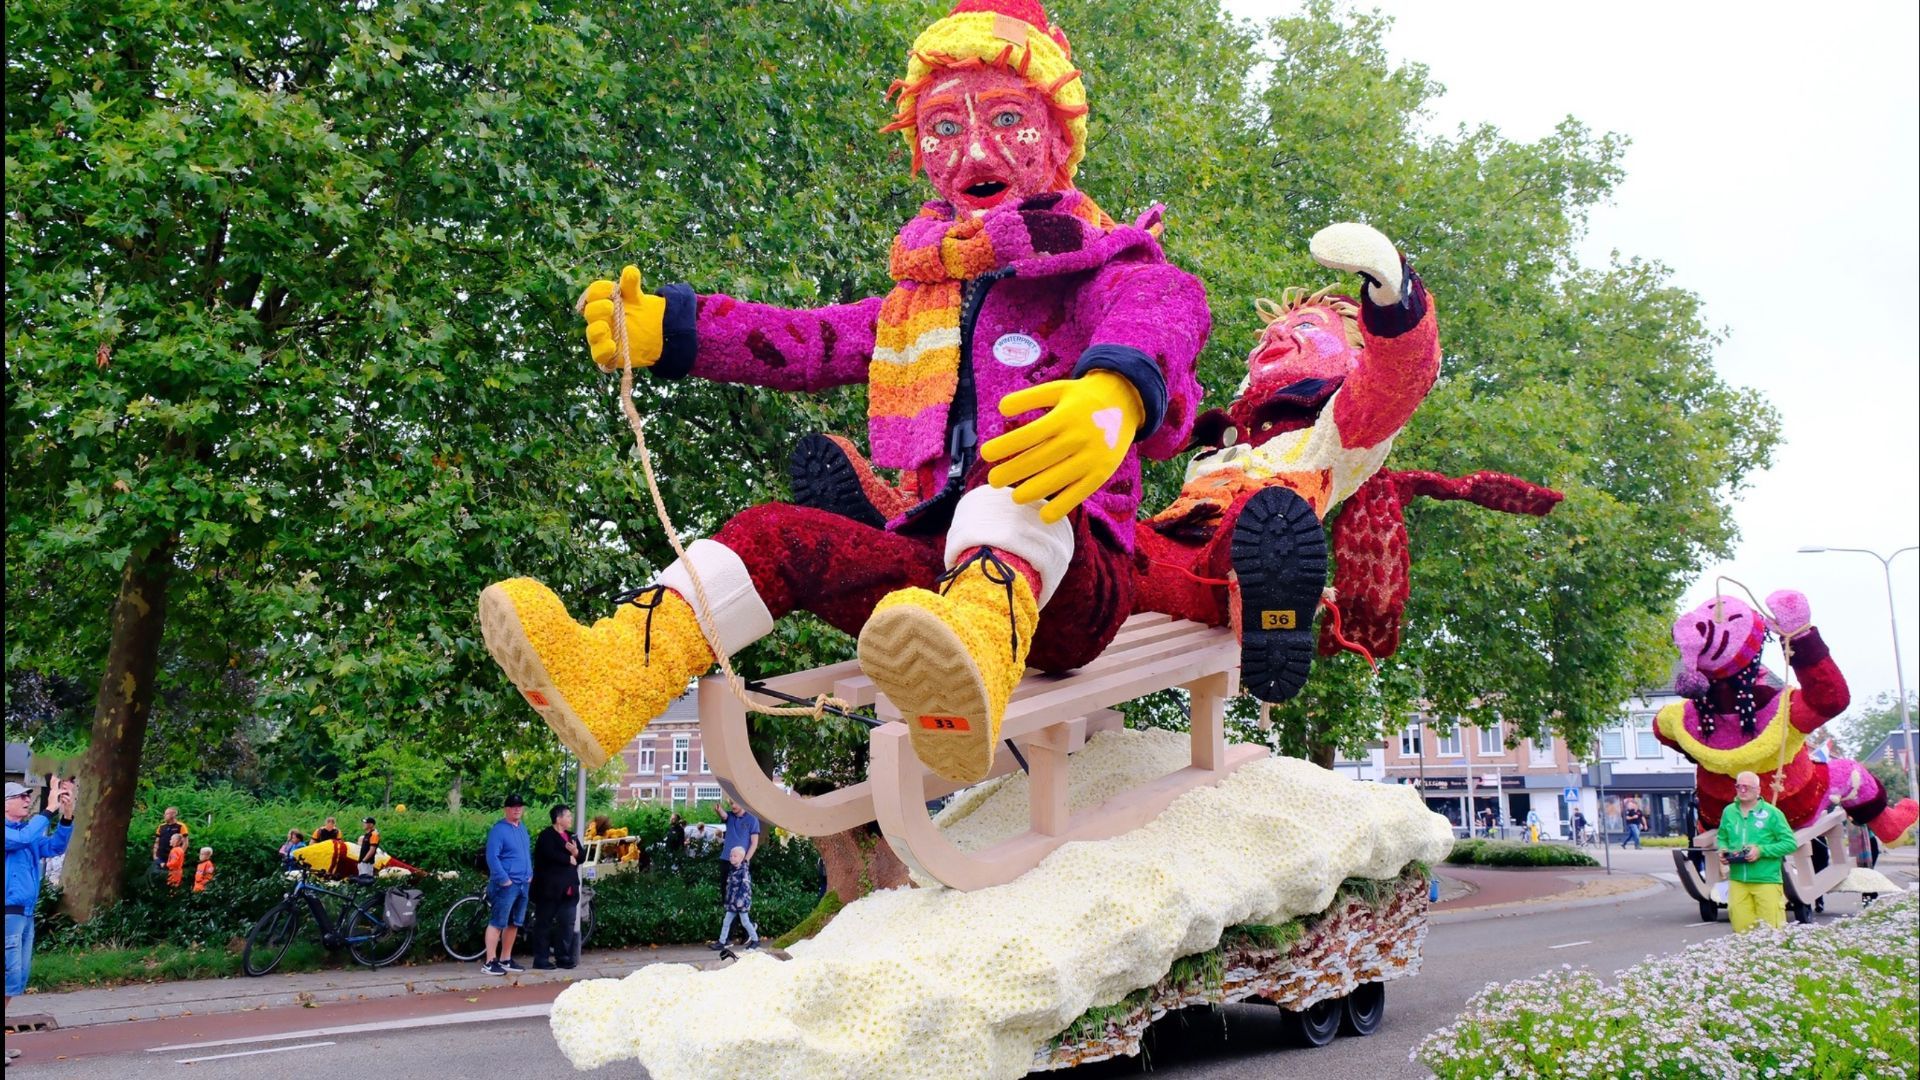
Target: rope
{"points": [[1782, 713], [822, 703]]}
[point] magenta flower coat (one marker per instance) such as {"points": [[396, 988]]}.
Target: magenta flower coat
{"points": [[1149, 317]]}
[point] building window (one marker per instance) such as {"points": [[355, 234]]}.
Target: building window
{"points": [[645, 792], [1543, 750], [1644, 743], [1447, 740], [646, 764], [1410, 742], [680, 745], [1613, 744], [679, 794], [1491, 738], [707, 793], [704, 767]]}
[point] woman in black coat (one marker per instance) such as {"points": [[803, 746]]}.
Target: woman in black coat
{"points": [[556, 892]]}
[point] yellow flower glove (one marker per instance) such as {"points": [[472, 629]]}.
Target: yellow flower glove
{"points": [[645, 317], [1066, 455]]}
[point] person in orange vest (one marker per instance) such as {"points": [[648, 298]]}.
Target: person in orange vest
{"points": [[203, 873]]}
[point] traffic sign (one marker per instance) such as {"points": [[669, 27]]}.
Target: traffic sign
{"points": [[1572, 794]]}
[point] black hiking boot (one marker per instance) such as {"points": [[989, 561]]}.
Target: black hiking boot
{"points": [[825, 478], [1280, 559]]}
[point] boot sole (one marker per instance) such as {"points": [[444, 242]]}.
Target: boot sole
{"points": [[824, 479], [1280, 560], [507, 640], [925, 670]]}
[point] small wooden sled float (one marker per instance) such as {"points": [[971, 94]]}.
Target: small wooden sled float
{"points": [[1048, 719], [1801, 882]]}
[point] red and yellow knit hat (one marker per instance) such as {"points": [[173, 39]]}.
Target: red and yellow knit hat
{"points": [[1013, 35]]}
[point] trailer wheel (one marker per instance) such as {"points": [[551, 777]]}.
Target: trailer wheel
{"points": [[1709, 911], [1317, 1024], [1365, 1009]]}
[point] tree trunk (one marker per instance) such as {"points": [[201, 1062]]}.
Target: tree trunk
{"points": [[386, 797], [109, 770], [859, 861], [1321, 754], [453, 795]]}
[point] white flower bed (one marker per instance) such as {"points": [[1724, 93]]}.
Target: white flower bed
{"points": [[1841, 1000], [931, 982]]}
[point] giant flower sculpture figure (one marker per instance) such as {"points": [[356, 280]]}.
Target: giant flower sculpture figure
{"points": [[1739, 717], [1030, 351]]}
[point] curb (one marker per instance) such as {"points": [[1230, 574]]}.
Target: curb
{"points": [[225, 996], [1545, 904]]}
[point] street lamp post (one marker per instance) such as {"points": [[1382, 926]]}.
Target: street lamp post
{"points": [[1899, 676]]}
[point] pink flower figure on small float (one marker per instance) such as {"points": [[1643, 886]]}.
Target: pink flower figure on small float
{"points": [[1739, 717], [1031, 350]]}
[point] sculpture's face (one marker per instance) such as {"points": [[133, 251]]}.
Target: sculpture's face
{"points": [[1719, 638], [1301, 359], [986, 137]]}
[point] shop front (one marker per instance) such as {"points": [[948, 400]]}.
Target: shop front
{"points": [[1665, 798]]}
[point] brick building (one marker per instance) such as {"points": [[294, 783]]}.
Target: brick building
{"points": [[666, 763], [1462, 769]]}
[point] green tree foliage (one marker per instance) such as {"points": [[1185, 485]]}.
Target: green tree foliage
{"points": [[292, 371]]}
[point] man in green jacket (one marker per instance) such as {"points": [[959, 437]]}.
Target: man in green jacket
{"points": [[1754, 836]]}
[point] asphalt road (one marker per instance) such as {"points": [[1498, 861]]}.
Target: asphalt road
{"points": [[504, 1033]]}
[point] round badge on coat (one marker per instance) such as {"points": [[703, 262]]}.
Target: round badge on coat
{"points": [[1017, 350]]}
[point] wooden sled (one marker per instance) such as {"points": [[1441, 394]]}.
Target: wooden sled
{"points": [[1049, 718], [1802, 884]]}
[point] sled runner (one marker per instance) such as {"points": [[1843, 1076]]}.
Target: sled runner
{"points": [[1049, 718]]}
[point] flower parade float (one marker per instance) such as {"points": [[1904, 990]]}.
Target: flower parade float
{"points": [[1031, 351], [1739, 716]]}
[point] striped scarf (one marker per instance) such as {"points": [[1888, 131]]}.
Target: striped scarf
{"points": [[916, 356]]}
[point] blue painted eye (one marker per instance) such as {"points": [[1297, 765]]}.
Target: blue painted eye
{"points": [[1006, 119], [947, 128]]}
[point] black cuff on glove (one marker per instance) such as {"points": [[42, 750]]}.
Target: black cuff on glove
{"points": [[1140, 370], [679, 336], [1396, 319], [1808, 648]]}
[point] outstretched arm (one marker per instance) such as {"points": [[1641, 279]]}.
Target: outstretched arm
{"points": [[1400, 356], [1823, 692]]}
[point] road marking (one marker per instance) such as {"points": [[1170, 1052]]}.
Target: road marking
{"points": [[1693, 924], [478, 1016], [1569, 944], [249, 1053]]}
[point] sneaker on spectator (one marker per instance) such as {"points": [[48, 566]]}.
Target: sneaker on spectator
{"points": [[509, 966], [754, 944], [492, 967]]}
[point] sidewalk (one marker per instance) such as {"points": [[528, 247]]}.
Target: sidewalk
{"points": [[204, 997]]}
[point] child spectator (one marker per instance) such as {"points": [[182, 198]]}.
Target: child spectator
{"points": [[328, 831], [737, 900], [203, 874], [294, 843], [177, 860], [369, 846]]}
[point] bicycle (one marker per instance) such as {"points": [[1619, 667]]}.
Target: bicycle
{"points": [[463, 929], [372, 935]]}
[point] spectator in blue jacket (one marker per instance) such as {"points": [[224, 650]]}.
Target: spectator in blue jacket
{"points": [[31, 839], [509, 873]]}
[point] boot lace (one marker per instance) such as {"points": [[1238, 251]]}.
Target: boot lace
{"points": [[997, 572], [647, 598]]}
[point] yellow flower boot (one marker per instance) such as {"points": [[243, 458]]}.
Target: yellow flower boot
{"points": [[949, 660], [597, 686]]}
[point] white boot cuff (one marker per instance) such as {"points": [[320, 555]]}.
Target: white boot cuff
{"points": [[988, 517], [738, 617]]}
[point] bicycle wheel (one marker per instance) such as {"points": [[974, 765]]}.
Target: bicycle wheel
{"points": [[463, 930], [268, 940], [586, 926], [373, 941]]}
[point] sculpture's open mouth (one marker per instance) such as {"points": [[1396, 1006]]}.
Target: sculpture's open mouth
{"points": [[1291, 407]]}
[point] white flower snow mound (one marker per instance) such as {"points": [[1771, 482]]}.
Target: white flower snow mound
{"points": [[931, 982]]}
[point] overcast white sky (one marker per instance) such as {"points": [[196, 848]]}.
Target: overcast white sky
{"points": [[1775, 159]]}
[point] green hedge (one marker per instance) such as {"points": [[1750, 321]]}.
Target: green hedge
{"points": [[667, 904], [1512, 853]]}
